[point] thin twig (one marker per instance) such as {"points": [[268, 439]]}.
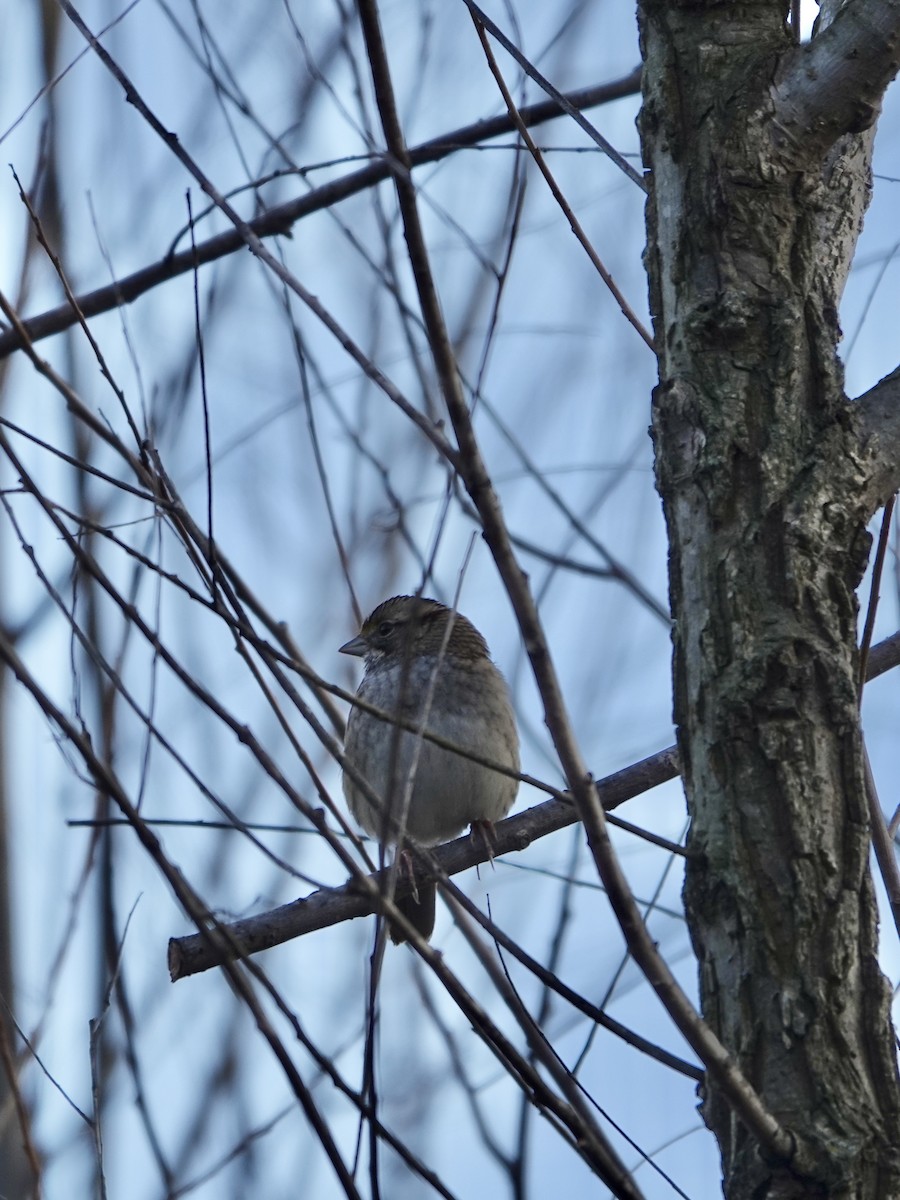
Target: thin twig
{"points": [[875, 589], [608, 1165], [481, 18], [882, 834], [627, 311], [280, 219], [109, 785], [882, 843], [8, 1064]]}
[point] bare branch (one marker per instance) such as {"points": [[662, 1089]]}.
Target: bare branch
{"points": [[483, 21], [281, 218], [330, 906], [575, 225]]}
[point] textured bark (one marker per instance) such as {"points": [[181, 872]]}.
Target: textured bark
{"points": [[755, 204], [877, 416]]}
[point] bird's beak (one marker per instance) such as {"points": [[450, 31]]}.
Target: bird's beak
{"points": [[356, 646]]}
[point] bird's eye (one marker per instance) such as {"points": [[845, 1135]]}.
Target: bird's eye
{"points": [[386, 628]]}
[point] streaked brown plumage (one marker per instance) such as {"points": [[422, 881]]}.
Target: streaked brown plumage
{"points": [[420, 654]]}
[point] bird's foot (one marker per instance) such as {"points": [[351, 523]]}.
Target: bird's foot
{"points": [[483, 832], [405, 868]]}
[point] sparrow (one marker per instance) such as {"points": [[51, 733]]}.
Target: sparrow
{"points": [[426, 661]]}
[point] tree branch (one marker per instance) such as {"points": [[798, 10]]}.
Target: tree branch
{"points": [[330, 906], [833, 85], [877, 413], [281, 218]]}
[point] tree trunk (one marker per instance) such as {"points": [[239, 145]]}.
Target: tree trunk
{"points": [[752, 218]]}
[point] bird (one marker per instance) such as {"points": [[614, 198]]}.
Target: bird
{"points": [[424, 660]]}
